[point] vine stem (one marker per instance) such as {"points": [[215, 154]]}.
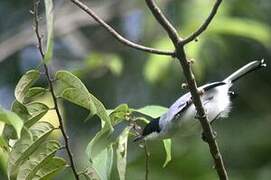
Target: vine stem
{"points": [[51, 88], [179, 44], [147, 157]]}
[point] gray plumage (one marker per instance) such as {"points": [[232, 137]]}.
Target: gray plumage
{"points": [[216, 101]]}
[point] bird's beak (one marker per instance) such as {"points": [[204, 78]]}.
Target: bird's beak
{"points": [[138, 138]]}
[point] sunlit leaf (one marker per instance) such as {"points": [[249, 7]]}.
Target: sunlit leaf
{"points": [[3, 159], [77, 97], [167, 146], [71, 88], [103, 162], [38, 159], [33, 93], [152, 111], [37, 110], [12, 119], [50, 27], [52, 167], [119, 113], [25, 146], [26, 81], [121, 152], [239, 27], [3, 144]]}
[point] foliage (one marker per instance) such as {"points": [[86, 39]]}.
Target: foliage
{"points": [[33, 151]]}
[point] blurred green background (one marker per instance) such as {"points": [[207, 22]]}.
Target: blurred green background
{"points": [[241, 32]]}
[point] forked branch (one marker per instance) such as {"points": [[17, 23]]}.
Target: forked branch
{"points": [[189, 76], [180, 54]]}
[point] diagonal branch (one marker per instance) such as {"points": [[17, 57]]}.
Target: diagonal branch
{"points": [[51, 87], [157, 13], [205, 24], [118, 36], [186, 66]]}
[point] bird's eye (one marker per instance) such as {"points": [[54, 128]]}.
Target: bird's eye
{"points": [[232, 94]]}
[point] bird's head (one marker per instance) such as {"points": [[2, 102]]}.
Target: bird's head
{"points": [[151, 131]]}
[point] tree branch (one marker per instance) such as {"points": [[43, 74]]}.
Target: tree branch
{"points": [[186, 66], [116, 35], [205, 24], [51, 87]]}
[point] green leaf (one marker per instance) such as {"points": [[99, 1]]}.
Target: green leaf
{"points": [[50, 26], [100, 141], [239, 26], [90, 174], [3, 144], [103, 162], [39, 158], [13, 120], [121, 152], [52, 167], [119, 113], [20, 109], [79, 98], [26, 81], [152, 111], [24, 147], [37, 110], [36, 107], [33, 93], [3, 160], [167, 145], [71, 88]]}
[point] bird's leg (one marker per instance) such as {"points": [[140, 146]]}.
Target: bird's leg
{"points": [[204, 138]]}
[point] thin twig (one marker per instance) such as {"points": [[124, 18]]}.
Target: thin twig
{"points": [[172, 32], [147, 158], [118, 36], [205, 24], [51, 87], [186, 65]]}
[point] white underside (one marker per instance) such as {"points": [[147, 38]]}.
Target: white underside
{"points": [[216, 103]]}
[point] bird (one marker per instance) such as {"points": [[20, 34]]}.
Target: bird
{"points": [[216, 99]]}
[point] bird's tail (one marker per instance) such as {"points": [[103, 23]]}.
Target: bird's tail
{"points": [[250, 67]]}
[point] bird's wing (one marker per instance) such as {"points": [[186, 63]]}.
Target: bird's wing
{"points": [[177, 108], [209, 86], [184, 102]]}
